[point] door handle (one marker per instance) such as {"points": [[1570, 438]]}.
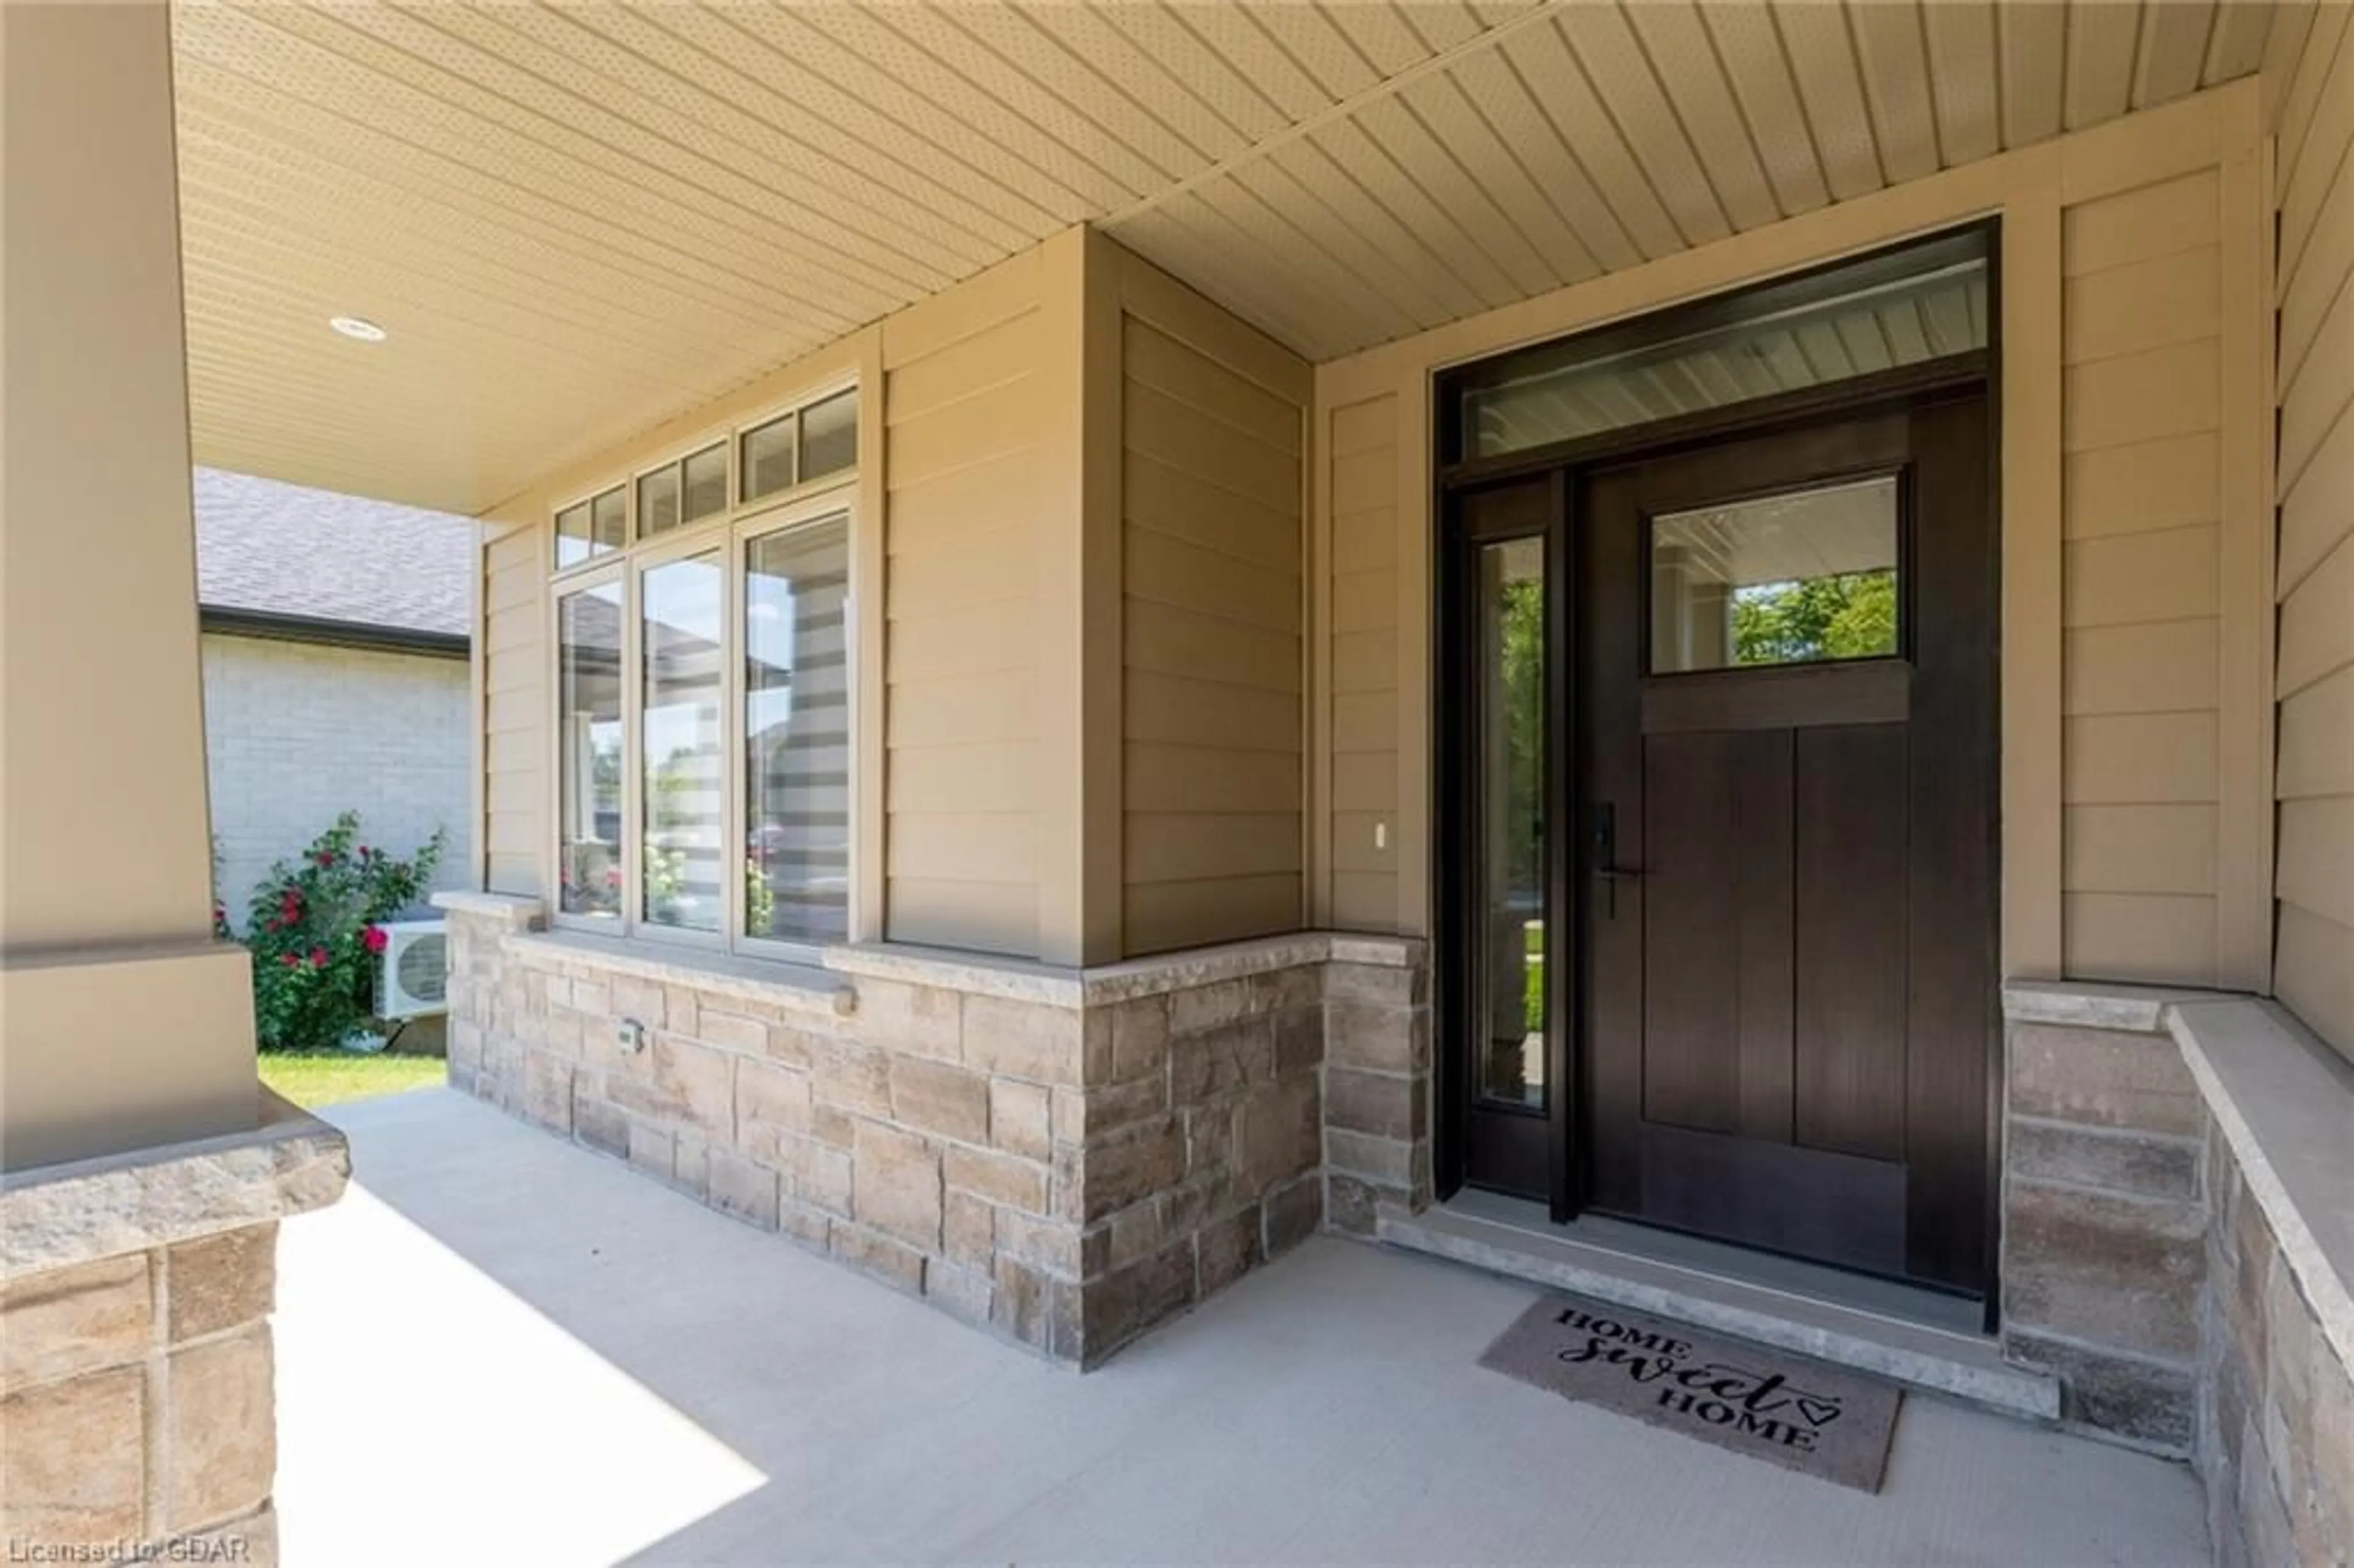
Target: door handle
{"points": [[1603, 841]]}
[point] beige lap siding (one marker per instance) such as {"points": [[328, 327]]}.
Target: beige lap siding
{"points": [[1213, 621], [971, 449], [1361, 652], [514, 661], [2314, 958], [2143, 493]]}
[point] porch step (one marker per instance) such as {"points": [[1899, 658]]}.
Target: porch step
{"points": [[1967, 1367]]}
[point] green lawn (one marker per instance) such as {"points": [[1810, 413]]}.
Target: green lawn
{"points": [[315, 1078]]}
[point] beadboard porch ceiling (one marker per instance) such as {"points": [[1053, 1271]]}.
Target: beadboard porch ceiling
{"points": [[577, 221]]}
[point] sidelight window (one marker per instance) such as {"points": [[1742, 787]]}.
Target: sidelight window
{"points": [[1515, 998]]}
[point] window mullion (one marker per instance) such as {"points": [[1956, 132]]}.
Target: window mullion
{"points": [[634, 772], [734, 857]]}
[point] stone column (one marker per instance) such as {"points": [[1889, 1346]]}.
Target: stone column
{"points": [[137, 1411], [121, 1022], [141, 1167]]}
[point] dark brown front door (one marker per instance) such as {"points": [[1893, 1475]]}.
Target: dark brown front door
{"points": [[1785, 692]]}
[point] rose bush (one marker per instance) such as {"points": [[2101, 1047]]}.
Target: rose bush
{"points": [[315, 927]]}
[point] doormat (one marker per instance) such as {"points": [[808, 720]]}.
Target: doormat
{"points": [[1786, 1410]]}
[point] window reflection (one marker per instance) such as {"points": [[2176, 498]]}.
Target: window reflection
{"points": [[684, 802], [1877, 314], [768, 463], [797, 734], [590, 771], [1796, 578], [591, 528], [1512, 720], [830, 435]]}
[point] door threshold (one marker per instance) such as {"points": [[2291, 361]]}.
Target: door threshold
{"points": [[1874, 1330]]}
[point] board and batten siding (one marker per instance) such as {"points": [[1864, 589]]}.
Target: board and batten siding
{"points": [[2140, 587], [1360, 638], [1213, 621], [2314, 178], [971, 393], [516, 709]]}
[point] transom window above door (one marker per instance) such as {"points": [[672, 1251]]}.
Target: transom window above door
{"points": [[1869, 316]]}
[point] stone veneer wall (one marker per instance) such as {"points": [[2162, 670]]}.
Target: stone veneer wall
{"points": [[2276, 1400], [2104, 1250], [135, 1396], [2142, 1268], [1377, 1081], [136, 1400], [1065, 1158]]}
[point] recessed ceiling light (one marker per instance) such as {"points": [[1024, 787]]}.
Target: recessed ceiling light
{"points": [[355, 327]]}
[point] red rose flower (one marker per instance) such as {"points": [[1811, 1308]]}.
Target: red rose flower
{"points": [[376, 938], [318, 957], [288, 959]]}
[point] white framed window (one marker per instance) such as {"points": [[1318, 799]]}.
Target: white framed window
{"points": [[796, 728], [703, 676], [682, 491], [591, 756], [594, 527]]}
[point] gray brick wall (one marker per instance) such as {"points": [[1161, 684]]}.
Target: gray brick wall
{"points": [[296, 732]]}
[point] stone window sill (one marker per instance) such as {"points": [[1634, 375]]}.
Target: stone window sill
{"points": [[983, 974], [2281, 1099], [1053, 985], [796, 987]]}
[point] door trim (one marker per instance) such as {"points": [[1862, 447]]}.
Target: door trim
{"points": [[1684, 702]]}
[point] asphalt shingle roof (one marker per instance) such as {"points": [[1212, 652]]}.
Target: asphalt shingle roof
{"points": [[285, 550]]}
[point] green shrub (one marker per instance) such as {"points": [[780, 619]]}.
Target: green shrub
{"points": [[312, 928]]}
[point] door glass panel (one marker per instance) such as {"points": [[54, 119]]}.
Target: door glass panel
{"points": [[588, 656], [683, 653], [1879, 312], [1515, 995], [797, 734], [1796, 578]]}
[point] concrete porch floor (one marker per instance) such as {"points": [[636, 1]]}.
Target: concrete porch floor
{"points": [[500, 1349]]}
